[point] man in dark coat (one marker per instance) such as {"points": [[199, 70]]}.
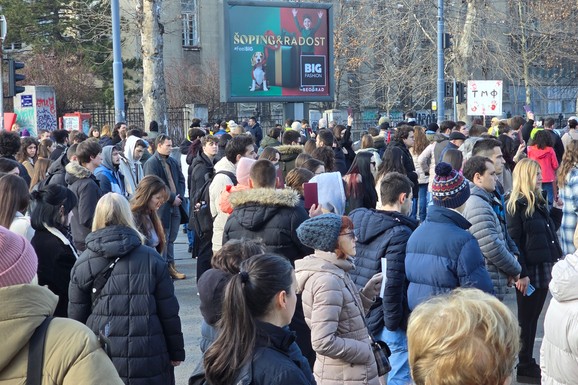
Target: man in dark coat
{"points": [[202, 168], [255, 129], [61, 139], [273, 216], [403, 140], [168, 169], [326, 138], [289, 150], [9, 146], [83, 183], [384, 234]]}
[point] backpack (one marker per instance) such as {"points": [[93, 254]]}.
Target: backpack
{"points": [[201, 218]]}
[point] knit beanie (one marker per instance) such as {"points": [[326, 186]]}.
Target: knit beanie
{"points": [[449, 188], [18, 261], [320, 232]]}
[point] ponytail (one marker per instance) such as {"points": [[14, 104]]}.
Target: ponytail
{"points": [[247, 297]]}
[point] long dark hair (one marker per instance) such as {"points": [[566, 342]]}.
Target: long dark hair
{"points": [[247, 297], [149, 186], [14, 197], [361, 166], [392, 161]]}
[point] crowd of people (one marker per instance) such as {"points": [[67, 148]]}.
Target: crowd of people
{"points": [[310, 249]]}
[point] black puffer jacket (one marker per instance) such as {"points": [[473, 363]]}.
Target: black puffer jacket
{"points": [[85, 186], [56, 172], [383, 234], [408, 165], [269, 214], [535, 236], [137, 305]]}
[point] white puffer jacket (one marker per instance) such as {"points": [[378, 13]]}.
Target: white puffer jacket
{"points": [[559, 351]]}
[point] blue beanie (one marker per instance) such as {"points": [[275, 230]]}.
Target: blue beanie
{"points": [[320, 232]]}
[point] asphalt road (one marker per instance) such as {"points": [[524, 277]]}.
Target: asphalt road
{"points": [[186, 292]]}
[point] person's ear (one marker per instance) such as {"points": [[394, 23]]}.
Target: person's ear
{"points": [[251, 183], [282, 299], [402, 198], [239, 156]]}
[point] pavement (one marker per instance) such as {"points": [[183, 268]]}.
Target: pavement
{"points": [[186, 292]]}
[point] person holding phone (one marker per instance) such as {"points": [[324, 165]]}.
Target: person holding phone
{"points": [[533, 228]]}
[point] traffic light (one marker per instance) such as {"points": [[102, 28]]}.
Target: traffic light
{"points": [[448, 90], [447, 42], [14, 77], [462, 92]]}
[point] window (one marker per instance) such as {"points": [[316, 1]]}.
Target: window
{"points": [[190, 23]]}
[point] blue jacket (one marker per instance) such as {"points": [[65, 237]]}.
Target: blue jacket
{"points": [[442, 255]]}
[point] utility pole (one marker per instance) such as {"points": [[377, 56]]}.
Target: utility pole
{"points": [[117, 63], [440, 82], [3, 31]]}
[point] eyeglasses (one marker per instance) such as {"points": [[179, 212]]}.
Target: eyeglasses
{"points": [[349, 234]]}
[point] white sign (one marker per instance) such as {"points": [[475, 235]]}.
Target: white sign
{"points": [[485, 97]]}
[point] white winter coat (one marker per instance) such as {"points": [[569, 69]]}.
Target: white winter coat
{"points": [[559, 351]]}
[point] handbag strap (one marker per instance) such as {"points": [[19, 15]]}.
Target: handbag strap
{"points": [[36, 353], [360, 306]]}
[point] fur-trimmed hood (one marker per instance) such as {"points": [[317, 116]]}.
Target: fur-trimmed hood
{"points": [[257, 208], [75, 171], [265, 197], [288, 149]]}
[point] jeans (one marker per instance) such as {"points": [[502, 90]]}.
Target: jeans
{"points": [[190, 233], [413, 214], [422, 202], [397, 342], [549, 188], [171, 234]]}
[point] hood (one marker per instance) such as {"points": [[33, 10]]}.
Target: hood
{"points": [[259, 206], [370, 224], [57, 167], [225, 165], [540, 153], [129, 146], [75, 171], [563, 285], [107, 158], [268, 141], [184, 147], [113, 241], [288, 150], [24, 309], [320, 262]]}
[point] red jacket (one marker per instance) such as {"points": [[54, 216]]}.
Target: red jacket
{"points": [[548, 162]]}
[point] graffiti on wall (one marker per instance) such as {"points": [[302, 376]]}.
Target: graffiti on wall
{"points": [[46, 113]]}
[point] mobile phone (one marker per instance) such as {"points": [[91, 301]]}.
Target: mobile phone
{"points": [[527, 108], [530, 290], [349, 111], [310, 195]]}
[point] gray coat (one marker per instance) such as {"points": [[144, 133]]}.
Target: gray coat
{"points": [[498, 248]]}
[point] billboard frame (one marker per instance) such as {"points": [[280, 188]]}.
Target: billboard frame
{"points": [[225, 66]]}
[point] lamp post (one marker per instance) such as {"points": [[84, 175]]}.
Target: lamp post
{"points": [[440, 47], [3, 31]]}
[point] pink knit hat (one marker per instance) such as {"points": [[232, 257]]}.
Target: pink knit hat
{"points": [[243, 170], [18, 261]]}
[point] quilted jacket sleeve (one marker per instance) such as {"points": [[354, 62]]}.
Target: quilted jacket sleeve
{"points": [[471, 268], [328, 303], [487, 232]]}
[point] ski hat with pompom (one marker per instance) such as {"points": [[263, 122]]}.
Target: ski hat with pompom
{"points": [[449, 188]]}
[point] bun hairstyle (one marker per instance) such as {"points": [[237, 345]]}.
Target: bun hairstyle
{"points": [[50, 204], [247, 297]]}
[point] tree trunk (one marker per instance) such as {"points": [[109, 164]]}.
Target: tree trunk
{"points": [[464, 54], [154, 98], [524, 51]]}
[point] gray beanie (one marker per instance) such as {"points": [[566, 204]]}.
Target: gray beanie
{"points": [[320, 232]]}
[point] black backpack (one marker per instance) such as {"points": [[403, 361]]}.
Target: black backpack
{"points": [[201, 218]]}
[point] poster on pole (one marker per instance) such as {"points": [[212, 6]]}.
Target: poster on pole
{"points": [[277, 51], [485, 97]]}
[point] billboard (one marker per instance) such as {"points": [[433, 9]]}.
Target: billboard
{"points": [[277, 51], [485, 97]]}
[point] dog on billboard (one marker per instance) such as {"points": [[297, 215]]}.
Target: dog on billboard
{"points": [[258, 73]]}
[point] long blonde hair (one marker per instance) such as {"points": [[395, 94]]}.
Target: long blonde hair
{"points": [[113, 209], [524, 176], [569, 161]]}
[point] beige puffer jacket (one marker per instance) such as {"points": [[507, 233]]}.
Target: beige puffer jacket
{"points": [[338, 333]]}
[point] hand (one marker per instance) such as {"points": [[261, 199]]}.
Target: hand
{"points": [[350, 120], [513, 280], [372, 288], [176, 363], [177, 201], [521, 147], [294, 12], [530, 115], [315, 210], [522, 285], [558, 203]]}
